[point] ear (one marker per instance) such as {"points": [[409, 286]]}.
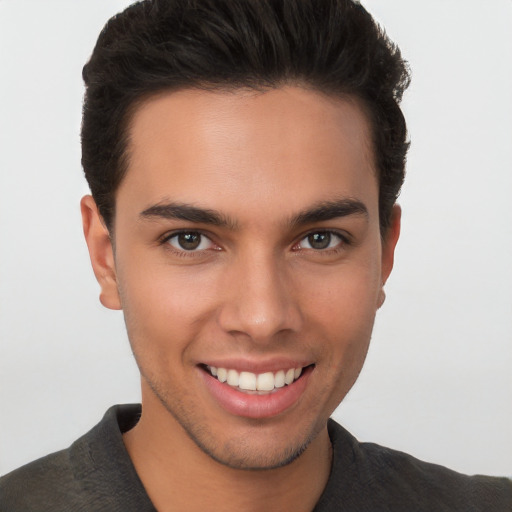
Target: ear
{"points": [[100, 252], [389, 243]]}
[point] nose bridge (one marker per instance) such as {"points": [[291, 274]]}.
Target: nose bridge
{"points": [[259, 301]]}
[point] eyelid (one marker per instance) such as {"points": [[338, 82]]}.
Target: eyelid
{"points": [[175, 232], [343, 236], [164, 239]]}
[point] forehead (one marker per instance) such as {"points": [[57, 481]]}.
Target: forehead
{"points": [[274, 151]]}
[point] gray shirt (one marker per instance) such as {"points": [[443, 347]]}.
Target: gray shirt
{"points": [[96, 474]]}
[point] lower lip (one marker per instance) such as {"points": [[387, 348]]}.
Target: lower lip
{"points": [[252, 405]]}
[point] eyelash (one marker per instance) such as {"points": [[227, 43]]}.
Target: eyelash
{"points": [[183, 253], [344, 242]]}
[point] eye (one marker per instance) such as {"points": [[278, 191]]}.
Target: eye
{"points": [[190, 241], [321, 240]]}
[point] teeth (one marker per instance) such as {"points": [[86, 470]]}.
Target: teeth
{"points": [[233, 378], [279, 379], [222, 374], [265, 381], [249, 381]]}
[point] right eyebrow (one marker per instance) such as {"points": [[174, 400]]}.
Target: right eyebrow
{"points": [[328, 210], [188, 212]]}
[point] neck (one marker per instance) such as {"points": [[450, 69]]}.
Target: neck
{"points": [[178, 475]]}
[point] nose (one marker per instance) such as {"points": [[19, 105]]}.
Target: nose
{"points": [[259, 300]]}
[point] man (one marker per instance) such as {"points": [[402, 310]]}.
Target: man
{"points": [[244, 160]]}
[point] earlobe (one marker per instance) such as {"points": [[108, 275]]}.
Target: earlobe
{"points": [[382, 297], [389, 244], [101, 252]]}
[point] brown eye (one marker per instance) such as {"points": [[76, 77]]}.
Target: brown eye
{"points": [[321, 240], [190, 241]]}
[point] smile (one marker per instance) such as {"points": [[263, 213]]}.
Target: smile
{"points": [[256, 395], [248, 381]]}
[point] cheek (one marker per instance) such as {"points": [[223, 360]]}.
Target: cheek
{"points": [[163, 306], [343, 311], [343, 297]]}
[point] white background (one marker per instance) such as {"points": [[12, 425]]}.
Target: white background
{"points": [[437, 382]]}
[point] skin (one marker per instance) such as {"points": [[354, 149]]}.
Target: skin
{"points": [[254, 292]]}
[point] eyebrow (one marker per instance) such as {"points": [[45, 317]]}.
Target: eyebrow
{"points": [[187, 212], [320, 212], [328, 210]]}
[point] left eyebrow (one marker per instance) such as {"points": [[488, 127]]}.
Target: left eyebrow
{"points": [[329, 210], [188, 212]]}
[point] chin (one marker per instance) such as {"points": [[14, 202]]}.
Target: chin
{"points": [[247, 455], [244, 444]]}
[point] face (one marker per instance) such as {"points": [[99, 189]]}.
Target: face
{"points": [[249, 264]]}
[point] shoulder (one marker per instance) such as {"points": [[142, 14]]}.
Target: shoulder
{"points": [[403, 478], [94, 473], [371, 475], [46, 481]]}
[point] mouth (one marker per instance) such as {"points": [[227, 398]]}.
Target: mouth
{"points": [[256, 383], [256, 395]]}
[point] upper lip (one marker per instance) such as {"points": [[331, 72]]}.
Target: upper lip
{"points": [[257, 366]]}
